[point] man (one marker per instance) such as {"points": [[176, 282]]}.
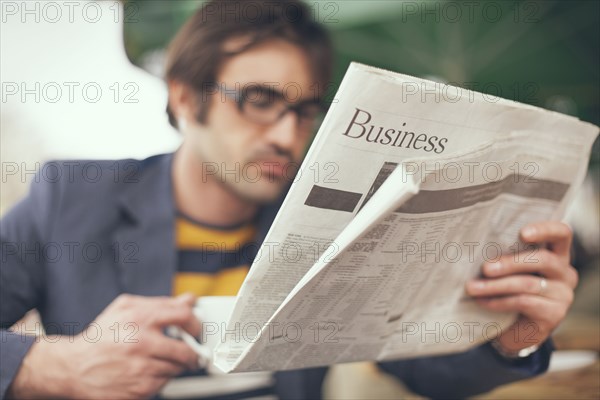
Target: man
{"points": [[147, 224]]}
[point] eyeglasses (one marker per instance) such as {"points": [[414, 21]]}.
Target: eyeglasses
{"points": [[265, 106]]}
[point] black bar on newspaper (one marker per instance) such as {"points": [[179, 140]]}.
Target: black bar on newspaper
{"points": [[332, 199], [444, 200]]}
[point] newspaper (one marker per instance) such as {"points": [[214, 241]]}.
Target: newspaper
{"points": [[408, 188]]}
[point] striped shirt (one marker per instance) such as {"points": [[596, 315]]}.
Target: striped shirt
{"points": [[214, 261]]}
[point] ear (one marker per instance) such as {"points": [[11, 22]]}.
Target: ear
{"points": [[182, 100]]}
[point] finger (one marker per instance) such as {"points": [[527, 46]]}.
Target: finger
{"points": [[163, 368], [557, 235], [177, 311], [519, 284], [187, 298], [191, 326], [129, 301], [536, 308], [173, 350], [540, 261]]}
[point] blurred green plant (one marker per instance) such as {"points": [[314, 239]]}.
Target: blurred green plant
{"points": [[544, 53]]}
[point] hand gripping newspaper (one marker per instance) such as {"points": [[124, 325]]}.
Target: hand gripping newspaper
{"points": [[408, 188]]}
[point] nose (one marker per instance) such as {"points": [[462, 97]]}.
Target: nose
{"points": [[284, 132]]}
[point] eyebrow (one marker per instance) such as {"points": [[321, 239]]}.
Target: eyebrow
{"points": [[263, 88], [271, 91]]}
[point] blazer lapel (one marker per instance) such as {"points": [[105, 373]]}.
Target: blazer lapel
{"points": [[146, 257], [145, 241]]}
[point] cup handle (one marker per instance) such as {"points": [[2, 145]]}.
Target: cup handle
{"points": [[204, 353]]}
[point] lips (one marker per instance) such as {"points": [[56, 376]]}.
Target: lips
{"points": [[277, 168]]}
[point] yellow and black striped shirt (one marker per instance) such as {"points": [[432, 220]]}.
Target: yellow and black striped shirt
{"points": [[212, 261]]}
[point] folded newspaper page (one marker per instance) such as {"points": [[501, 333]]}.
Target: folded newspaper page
{"points": [[408, 188]]}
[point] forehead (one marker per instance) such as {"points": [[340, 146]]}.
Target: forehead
{"points": [[276, 63]]}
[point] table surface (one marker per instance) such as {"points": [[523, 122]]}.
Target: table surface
{"points": [[365, 381], [577, 333]]}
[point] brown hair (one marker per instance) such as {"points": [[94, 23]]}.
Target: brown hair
{"points": [[197, 51]]}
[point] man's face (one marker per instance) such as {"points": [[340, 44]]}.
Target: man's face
{"points": [[242, 143]]}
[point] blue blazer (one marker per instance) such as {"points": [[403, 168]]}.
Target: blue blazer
{"points": [[91, 230]]}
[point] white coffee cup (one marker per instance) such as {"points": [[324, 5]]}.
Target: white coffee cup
{"points": [[213, 312]]}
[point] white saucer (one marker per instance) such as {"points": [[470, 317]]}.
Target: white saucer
{"points": [[571, 359]]}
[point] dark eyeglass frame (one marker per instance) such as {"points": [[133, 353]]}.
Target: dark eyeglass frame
{"points": [[240, 96]]}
